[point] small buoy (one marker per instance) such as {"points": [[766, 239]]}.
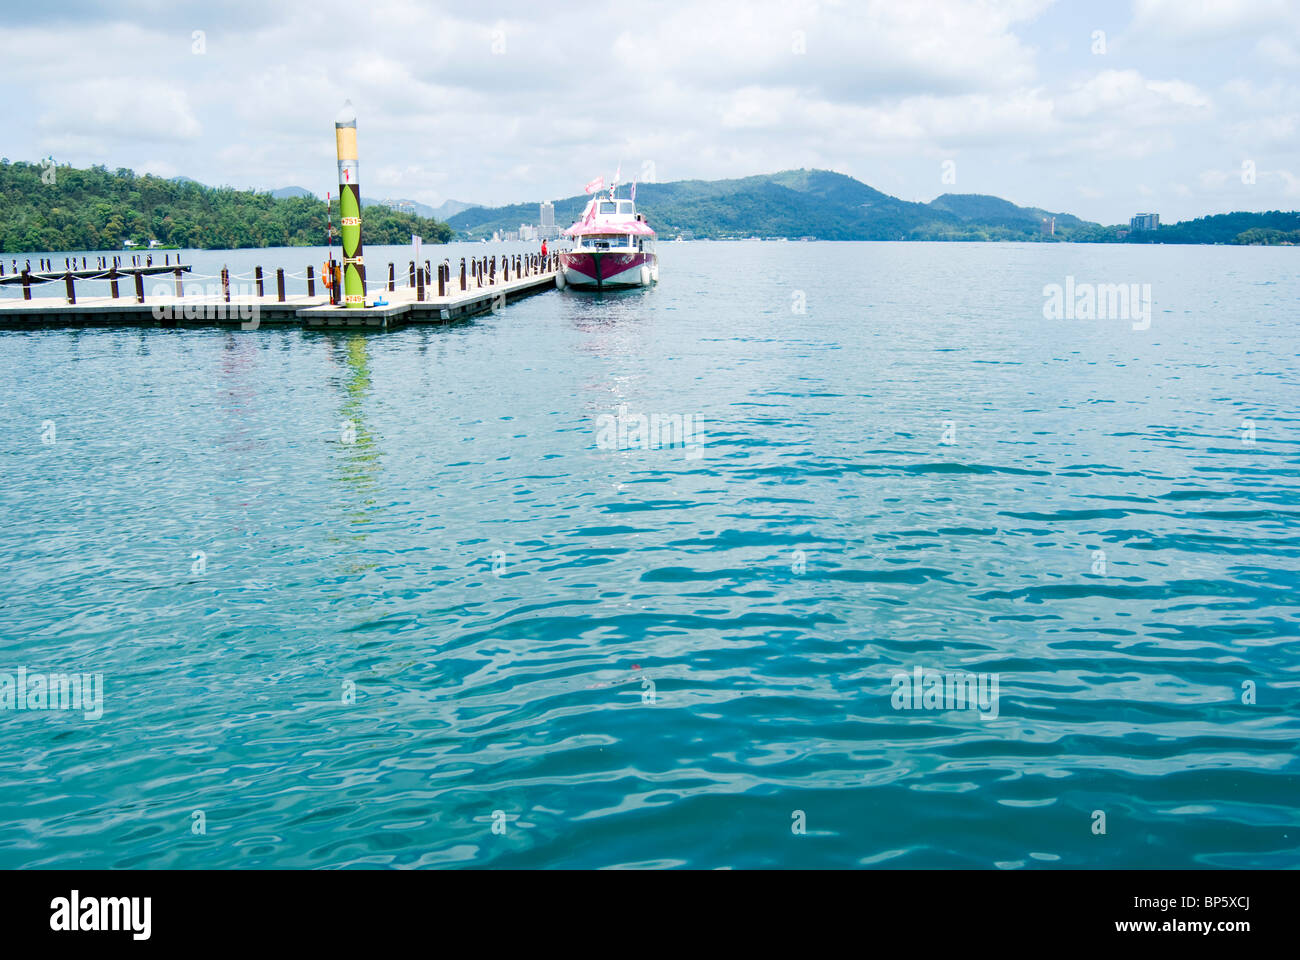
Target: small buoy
{"points": [[559, 279], [645, 275]]}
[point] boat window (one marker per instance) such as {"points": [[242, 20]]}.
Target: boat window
{"points": [[607, 207], [625, 206]]}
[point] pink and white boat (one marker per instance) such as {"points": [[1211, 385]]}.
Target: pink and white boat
{"points": [[613, 247]]}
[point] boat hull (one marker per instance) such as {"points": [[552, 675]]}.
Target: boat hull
{"points": [[605, 269]]}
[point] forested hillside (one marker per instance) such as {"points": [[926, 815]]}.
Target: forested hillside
{"points": [[98, 209]]}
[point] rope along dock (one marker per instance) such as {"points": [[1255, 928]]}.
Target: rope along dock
{"points": [[475, 286]]}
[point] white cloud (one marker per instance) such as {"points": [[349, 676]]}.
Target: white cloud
{"points": [[1213, 19], [710, 89]]}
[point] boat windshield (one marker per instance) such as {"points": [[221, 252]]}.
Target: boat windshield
{"points": [[605, 241]]}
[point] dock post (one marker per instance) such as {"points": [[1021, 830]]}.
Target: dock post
{"points": [[428, 274], [462, 273], [225, 283], [442, 280], [492, 271], [419, 286], [392, 279], [72, 293], [27, 283], [257, 275], [180, 288], [411, 280], [112, 280], [311, 282], [279, 284], [139, 286]]}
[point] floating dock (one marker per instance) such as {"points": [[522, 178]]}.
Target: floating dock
{"points": [[481, 286]]}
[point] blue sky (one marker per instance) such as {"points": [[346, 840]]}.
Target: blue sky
{"points": [[1186, 107]]}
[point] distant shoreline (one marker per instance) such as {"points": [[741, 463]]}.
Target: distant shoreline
{"points": [[62, 209]]}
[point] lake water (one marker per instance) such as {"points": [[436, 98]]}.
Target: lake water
{"points": [[397, 600]]}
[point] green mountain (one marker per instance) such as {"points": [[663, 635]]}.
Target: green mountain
{"points": [[798, 203], [65, 208], [832, 206], [286, 192], [981, 208]]}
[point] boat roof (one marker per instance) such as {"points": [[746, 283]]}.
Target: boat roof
{"points": [[591, 222]]}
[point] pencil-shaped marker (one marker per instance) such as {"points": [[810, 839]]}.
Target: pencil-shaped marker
{"points": [[354, 267]]}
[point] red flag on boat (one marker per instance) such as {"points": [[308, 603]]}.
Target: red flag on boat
{"points": [[596, 184], [633, 189]]}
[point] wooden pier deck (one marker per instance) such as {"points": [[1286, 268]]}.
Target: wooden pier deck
{"points": [[249, 311]]}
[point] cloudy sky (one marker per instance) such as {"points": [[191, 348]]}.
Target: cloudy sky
{"points": [[1102, 108]]}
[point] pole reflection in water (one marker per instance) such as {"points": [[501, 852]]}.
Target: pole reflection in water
{"points": [[359, 464]]}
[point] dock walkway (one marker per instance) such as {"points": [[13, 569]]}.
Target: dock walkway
{"points": [[485, 292]]}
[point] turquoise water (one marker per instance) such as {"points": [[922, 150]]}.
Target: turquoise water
{"points": [[675, 656]]}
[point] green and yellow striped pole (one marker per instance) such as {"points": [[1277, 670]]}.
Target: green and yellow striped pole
{"points": [[354, 267]]}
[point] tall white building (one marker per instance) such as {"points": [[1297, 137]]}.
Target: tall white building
{"points": [[546, 220]]}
